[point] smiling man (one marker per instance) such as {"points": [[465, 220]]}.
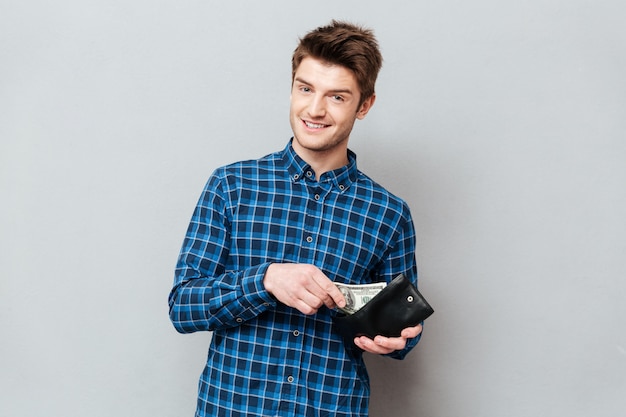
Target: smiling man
{"points": [[269, 239], [325, 102]]}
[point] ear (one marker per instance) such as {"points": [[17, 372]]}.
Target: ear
{"points": [[366, 106]]}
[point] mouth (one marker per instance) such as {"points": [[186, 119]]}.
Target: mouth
{"points": [[315, 126]]}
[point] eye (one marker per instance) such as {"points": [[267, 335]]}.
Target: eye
{"points": [[338, 98], [305, 89]]}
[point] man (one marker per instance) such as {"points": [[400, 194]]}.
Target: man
{"points": [[270, 237]]}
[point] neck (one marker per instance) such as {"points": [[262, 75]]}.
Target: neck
{"points": [[322, 161]]}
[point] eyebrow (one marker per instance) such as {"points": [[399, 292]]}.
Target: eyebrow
{"points": [[339, 90]]}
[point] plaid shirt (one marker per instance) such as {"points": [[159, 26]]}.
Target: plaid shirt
{"points": [[267, 359]]}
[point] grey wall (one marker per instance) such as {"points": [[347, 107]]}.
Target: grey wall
{"points": [[501, 123]]}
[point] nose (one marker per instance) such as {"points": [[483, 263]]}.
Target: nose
{"points": [[317, 106]]}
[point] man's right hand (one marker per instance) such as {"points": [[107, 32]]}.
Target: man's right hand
{"points": [[303, 287]]}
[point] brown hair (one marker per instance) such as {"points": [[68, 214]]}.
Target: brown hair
{"points": [[345, 44]]}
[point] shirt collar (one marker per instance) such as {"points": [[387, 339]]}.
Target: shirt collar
{"points": [[341, 178]]}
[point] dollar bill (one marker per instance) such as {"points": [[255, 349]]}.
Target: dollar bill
{"points": [[357, 295]]}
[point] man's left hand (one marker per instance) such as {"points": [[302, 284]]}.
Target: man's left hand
{"points": [[382, 345]]}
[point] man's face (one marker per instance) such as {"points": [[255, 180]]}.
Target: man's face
{"points": [[324, 107]]}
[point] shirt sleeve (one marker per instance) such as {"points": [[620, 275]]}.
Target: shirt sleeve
{"points": [[205, 295], [401, 259]]}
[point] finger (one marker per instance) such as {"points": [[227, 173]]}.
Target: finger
{"points": [[312, 300], [392, 343], [330, 294], [305, 307], [370, 346], [299, 298], [411, 332]]}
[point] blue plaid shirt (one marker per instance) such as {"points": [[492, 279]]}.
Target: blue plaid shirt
{"points": [[267, 359]]}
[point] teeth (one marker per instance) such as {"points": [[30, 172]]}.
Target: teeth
{"points": [[314, 125]]}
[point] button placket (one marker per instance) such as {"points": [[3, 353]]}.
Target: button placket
{"points": [[311, 218]]}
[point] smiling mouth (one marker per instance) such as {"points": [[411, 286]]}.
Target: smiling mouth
{"points": [[312, 125]]}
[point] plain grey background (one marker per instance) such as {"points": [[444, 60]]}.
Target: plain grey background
{"points": [[501, 123]]}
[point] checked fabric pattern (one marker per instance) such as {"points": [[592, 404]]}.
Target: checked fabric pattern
{"points": [[267, 359]]}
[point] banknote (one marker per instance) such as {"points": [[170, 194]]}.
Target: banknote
{"points": [[357, 295]]}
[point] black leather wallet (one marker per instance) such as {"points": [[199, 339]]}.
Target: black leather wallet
{"points": [[397, 306]]}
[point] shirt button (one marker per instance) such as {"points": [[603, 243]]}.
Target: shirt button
{"points": [[239, 320], [342, 187], [317, 197], [290, 379], [296, 333], [309, 174], [309, 239], [295, 177]]}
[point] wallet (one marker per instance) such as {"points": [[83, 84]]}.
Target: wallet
{"points": [[397, 306]]}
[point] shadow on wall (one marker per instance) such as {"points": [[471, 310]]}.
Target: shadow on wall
{"points": [[416, 173], [395, 384]]}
